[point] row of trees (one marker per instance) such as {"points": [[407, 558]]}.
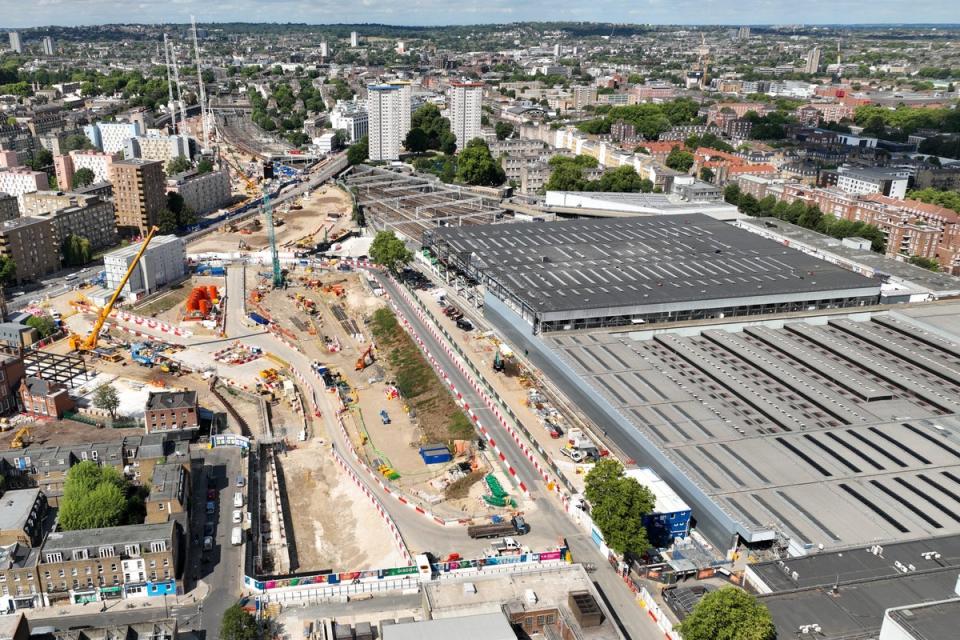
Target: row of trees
{"points": [[807, 216], [568, 176], [176, 214], [877, 119]]}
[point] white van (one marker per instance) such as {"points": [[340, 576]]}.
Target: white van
{"points": [[237, 500], [236, 536]]}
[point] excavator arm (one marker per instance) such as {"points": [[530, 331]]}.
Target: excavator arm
{"points": [[79, 343]]}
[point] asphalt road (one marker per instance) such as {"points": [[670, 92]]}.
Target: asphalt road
{"points": [[55, 285], [619, 598]]}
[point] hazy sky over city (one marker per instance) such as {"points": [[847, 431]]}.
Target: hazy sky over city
{"points": [[28, 13]]}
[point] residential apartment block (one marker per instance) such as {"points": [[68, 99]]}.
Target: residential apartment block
{"points": [[465, 111], [98, 162], [385, 113], [32, 244], [202, 192], [139, 194], [111, 137], [350, 117], [87, 216], [44, 398], [161, 148], [886, 181], [17, 181]]}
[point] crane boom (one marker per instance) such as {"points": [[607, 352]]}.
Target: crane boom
{"points": [[78, 343]]}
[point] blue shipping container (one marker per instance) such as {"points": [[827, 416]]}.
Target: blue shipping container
{"points": [[435, 454], [259, 319]]}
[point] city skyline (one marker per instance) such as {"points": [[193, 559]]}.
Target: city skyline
{"points": [[442, 12]]}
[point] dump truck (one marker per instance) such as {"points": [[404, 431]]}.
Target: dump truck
{"points": [[514, 526]]}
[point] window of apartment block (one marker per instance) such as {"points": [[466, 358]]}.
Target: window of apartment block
{"points": [[159, 546], [132, 550], [80, 554], [54, 557], [107, 552]]}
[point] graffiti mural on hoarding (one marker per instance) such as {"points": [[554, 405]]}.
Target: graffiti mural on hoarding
{"points": [[372, 575]]}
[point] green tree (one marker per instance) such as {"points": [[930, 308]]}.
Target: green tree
{"points": [[728, 614], [475, 165], [43, 324], [748, 204], [82, 177], [503, 130], [618, 505], [94, 496], [204, 166], [416, 140], [706, 174], [926, 263], [437, 128], [566, 177], [106, 397], [620, 180], [167, 221], [389, 251], [76, 250], [238, 624], [680, 160], [731, 194], [358, 152], [42, 158], [8, 270], [178, 165]]}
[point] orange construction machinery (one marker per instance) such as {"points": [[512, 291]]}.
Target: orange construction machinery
{"points": [[201, 300], [366, 359], [89, 343]]}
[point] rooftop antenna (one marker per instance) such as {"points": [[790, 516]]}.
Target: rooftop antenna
{"points": [[203, 91], [176, 79], [170, 104]]}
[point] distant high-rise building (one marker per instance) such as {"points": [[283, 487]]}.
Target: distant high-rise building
{"points": [[47, 46], [385, 107], [813, 60], [353, 39], [401, 47], [743, 33], [556, 50], [406, 105], [139, 194], [323, 49], [465, 111], [15, 45]]}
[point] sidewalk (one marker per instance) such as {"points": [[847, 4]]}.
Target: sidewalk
{"points": [[138, 604]]}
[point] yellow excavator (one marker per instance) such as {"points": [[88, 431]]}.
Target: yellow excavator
{"points": [[89, 343], [22, 439]]}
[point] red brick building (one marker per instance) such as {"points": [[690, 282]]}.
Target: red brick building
{"points": [[171, 410], [44, 398]]}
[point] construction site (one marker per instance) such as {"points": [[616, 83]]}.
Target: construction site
{"points": [[410, 204]]}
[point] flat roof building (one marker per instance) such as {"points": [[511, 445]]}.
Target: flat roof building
{"points": [[164, 261], [32, 245], [580, 274]]}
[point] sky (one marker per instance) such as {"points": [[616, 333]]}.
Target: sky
{"points": [[33, 13]]}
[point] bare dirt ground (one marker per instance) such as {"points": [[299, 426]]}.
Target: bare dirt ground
{"points": [[51, 433], [308, 222], [334, 524]]}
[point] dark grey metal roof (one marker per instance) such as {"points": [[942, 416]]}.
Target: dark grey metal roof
{"points": [[933, 621], [610, 263], [172, 400]]}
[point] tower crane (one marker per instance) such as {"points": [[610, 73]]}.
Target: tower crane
{"points": [[271, 234], [170, 103], [203, 91], [89, 343], [176, 79]]}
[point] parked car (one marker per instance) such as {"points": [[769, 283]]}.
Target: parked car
{"points": [[211, 494], [211, 506], [463, 323], [207, 543], [237, 516], [574, 454], [384, 416], [208, 529], [554, 430], [240, 481]]}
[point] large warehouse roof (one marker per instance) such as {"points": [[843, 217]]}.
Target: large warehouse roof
{"points": [[626, 265], [835, 433]]}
